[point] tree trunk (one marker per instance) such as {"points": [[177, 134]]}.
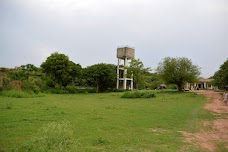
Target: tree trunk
{"points": [[179, 87], [97, 88], [137, 85]]}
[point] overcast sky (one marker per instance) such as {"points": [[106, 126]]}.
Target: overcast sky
{"points": [[89, 31]]}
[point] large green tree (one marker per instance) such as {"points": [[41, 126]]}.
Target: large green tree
{"points": [[139, 72], [221, 76], [178, 71], [60, 69], [102, 76]]}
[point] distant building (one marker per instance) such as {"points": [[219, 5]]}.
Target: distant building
{"points": [[201, 83]]}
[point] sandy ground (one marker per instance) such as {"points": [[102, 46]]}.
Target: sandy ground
{"points": [[208, 140]]}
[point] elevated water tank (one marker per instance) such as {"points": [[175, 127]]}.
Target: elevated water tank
{"points": [[125, 52]]}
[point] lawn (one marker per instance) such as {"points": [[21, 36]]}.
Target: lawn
{"points": [[105, 121]]}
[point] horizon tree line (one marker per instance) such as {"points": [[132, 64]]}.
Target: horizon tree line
{"points": [[58, 71]]}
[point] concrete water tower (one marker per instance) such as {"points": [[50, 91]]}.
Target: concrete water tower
{"points": [[124, 54]]}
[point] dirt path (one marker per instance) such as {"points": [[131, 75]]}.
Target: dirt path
{"points": [[208, 140]]}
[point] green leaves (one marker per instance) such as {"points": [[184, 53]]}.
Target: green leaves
{"points": [[178, 71], [102, 76], [221, 76], [139, 72], [60, 69]]}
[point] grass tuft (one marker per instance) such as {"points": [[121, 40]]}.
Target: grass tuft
{"points": [[9, 105], [52, 137], [137, 94], [100, 141]]}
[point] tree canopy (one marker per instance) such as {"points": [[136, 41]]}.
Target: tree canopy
{"points": [[178, 71], [139, 72], [102, 76], [221, 76], [60, 69]]}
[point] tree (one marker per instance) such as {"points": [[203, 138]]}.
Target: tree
{"points": [[102, 76], [152, 81], [178, 71], [139, 72], [28, 67], [60, 69], [75, 72], [221, 76]]}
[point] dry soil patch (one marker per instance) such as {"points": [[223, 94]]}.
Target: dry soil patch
{"points": [[208, 140]]}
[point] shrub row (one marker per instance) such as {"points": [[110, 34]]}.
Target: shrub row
{"points": [[68, 91], [74, 90], [137, 94], [20, 94]]}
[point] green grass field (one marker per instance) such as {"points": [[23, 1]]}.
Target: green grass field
{"points": [[105, 122]]}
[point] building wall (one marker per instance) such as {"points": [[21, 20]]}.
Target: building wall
{"points": [[199, 85]]}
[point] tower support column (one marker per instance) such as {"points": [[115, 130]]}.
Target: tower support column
{"points": [[125, 74], [118, 74]]}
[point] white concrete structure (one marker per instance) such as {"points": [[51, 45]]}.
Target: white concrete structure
{"points": [[124, 54], [201, 84]]}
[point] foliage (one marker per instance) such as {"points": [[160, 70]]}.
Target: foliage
{"points": [[152, 81], [35, 84], [221, 76], [6, 82], [29, 67], [117, 90], [30, 76], [14, 93], [60, 69], [68, 90], [56, 91], [24, 72], [172, 86], [136, 68], [102, 76], [148, 95], [2, 69], [178, 71], [137, 94]]}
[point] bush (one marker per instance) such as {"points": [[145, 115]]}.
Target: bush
{"points": [[86, 91], [34, 84], [137, 94], [71, 89], [127, 95], [148, 95], [26, 85], [19, 94], [68, 90], [172, 86], [117, 90], [1, 89], [49, 82], [56, 91]]}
